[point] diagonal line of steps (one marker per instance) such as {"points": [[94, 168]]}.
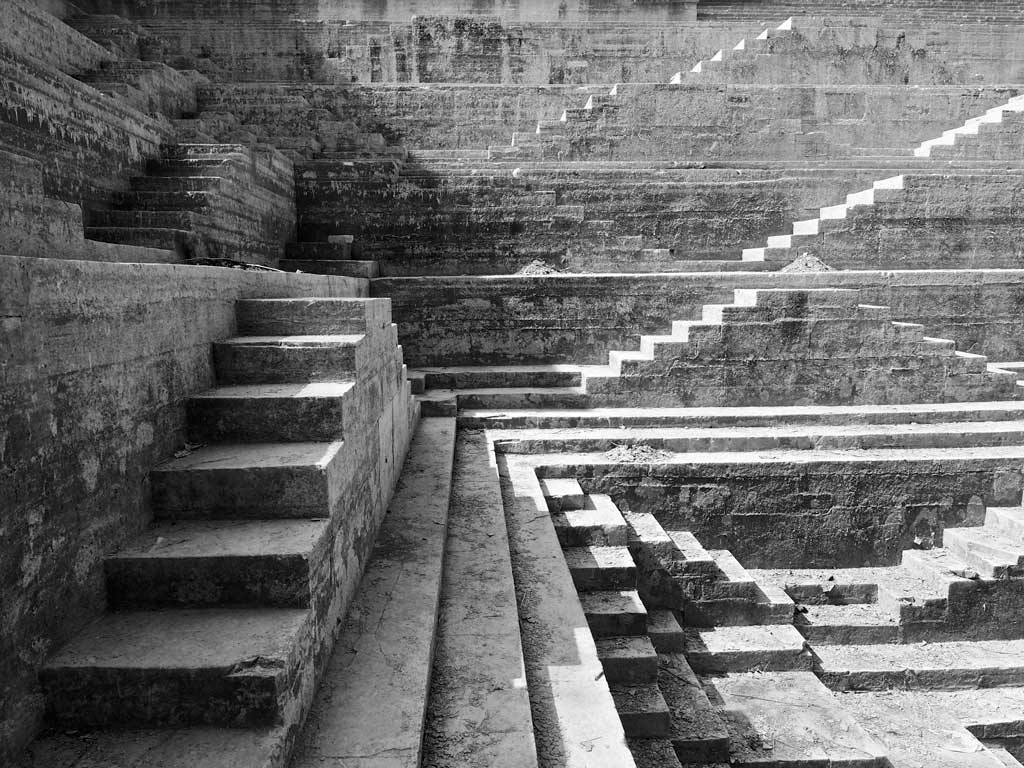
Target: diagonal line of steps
{"points": [[225, 610], [783, 248], [744, 46]]}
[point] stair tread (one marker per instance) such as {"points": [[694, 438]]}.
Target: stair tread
{"points": [[857, 615], [226, 456], [323, 389], [895, 718], [226, 538], [214, 638], [783, 717], [297, 341], [975, 655], [194, 747]]}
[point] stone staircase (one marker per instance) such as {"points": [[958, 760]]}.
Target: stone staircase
{"points": [[684, 694], [224, 611], [701, 362], [224, 201], [993, 136], [969, 588]]}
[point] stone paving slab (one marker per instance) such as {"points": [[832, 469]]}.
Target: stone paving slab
{"points": [[479, 708], [370, 707], [790, 719], [935, 666]]}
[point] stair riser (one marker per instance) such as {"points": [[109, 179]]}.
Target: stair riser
{"points": [[252, 364], [252, 493], [850, 635], [597, 578], [991, 562], [312, 317], [148, 583], [587, 536], [266, 420], [499, 379], [499, 400], [366, 270], [631, 671], [923, 680], [734, 613], [645, 725], [749, 661], [98, 697], [604, 625]]}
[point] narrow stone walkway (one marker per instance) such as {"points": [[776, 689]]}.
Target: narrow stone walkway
{"points": [[479, 708], [371, 704]]}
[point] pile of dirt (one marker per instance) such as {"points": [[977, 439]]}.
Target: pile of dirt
{"points": [[538, 267], [636, 454], [807, 263]]}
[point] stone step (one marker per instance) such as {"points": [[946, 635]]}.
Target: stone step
{"points": [[601, 568], [267, 413], [857, 624], [664, 630], [283, 359], [562, 494], [177, 183], [783, 437], [745, 416], [254, 480], [696, 730], [824, 586], [278, 563], [642, 709], [291, 317], [735, 581], [990, 551], [598, 524], [341, 251], [225, 667], [617, 613], [480, 377], [790, 719], [1010, 520], [167, 238], [652, 753], [630, 660], [187, 221], [347, 268], [376, 687], [747, 648], [925, 666], [524, 397], [917, 729]]}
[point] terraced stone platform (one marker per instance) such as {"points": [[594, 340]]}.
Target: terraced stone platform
{"points": [[714, 310]]}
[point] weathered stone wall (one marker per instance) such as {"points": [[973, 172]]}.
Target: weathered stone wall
{"points": [[96, 361], [402, 10], [679, 122], [579, 318], [810, 514], [482, 220], [87, 142]]}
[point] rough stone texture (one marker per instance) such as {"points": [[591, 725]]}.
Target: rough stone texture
{"points": [[370, 709], [796, 347], [102, 355], [478, 712], [578, 318], [847, 508], [574, 718]]}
